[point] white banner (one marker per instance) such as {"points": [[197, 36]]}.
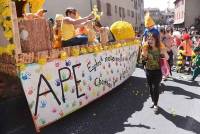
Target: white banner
{"points": [[60, 87]]}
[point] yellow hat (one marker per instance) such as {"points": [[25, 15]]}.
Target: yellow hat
{"points": [[59, 17], [148, 21]]}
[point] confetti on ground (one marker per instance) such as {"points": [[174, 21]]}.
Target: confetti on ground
{"points": [[173, 112]]}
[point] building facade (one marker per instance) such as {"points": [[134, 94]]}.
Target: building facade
{"points": [[186, 11], [155, 14], [113, 10], [167, 16]]}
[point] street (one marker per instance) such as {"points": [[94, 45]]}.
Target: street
{"points": [[125, 110]]}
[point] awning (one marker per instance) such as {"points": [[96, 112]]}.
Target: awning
{"points": [[180, 21]]}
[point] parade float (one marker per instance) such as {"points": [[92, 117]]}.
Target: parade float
{"points": [[57, 82]]}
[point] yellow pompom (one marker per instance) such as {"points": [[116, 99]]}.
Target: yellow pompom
{"points": [[75, 52], [8, 34], [83, 50], [36, 5], [179, 62], [105, 47], [96, 49], [42, 61], [2, 50], [21, 66], [180, 58], [90, 49], [63, 55], [118, 45]]}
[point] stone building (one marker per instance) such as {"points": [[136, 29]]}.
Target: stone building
{"points": [[113, 10], [186, 11]]}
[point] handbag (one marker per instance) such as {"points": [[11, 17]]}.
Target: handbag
{"points": [[164, 67]]}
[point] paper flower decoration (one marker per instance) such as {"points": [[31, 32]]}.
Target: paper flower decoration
{"points": [[42, 61], [122, 30], [75, 52], [90, 49], [180, 57], [63, 56], [96, 13], [83, 50], [36, 5], [179, 62], [21, 66]]}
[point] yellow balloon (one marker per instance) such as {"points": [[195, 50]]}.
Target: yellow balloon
{"points": [[122, 30]]}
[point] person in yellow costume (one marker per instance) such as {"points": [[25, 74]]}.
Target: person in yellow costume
{"points": [[150, 27], [57, 31], [68, 26]]}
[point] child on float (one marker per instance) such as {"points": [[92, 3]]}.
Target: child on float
{"points": [[57, 31], [68, 27], [152, 52], [196, 71]]}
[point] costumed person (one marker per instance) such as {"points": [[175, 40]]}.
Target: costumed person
{"points": [[57, 31], [153, 50], [196, 71], [68, 28], [187, 51], [169, 44], [150, 27]]}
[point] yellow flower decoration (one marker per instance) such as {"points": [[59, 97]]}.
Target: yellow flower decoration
{"points": [[90, 49], [42, 61], [21, 66], [96, 13], [2, 50], [36, 5], [122, 30], [180, 57], [105, 47], [5, 21], [98, 48], [8, 34], [83, 50], [63, 55], [75, 52], [179, 62]]}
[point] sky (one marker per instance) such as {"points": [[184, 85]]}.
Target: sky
{"points": [[161, 4]]}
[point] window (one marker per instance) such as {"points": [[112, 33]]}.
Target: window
{"points": [[108, 7], [128, 12], [99, 5], [136, 18], [135, 4], [132, 14], [116, 9], [123, 13], [120, 12]]}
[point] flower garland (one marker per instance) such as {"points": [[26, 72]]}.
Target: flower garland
{"points": [[97, 14], [6, 22]]}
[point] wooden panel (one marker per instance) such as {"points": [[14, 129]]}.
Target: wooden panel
{"points": [[8, 59], [15, 28], [34, 35]]}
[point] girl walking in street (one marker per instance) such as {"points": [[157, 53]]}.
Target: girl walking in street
{"points": [[152, 52]]}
